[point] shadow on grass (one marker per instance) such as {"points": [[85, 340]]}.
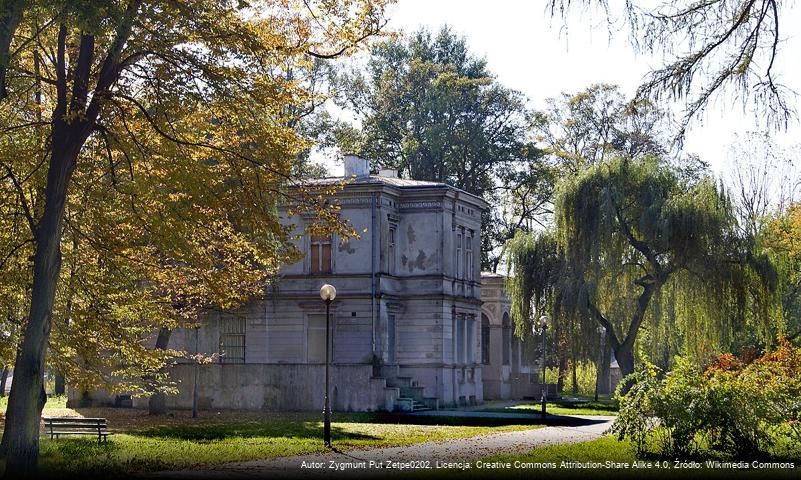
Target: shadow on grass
{"points": [[610, 406], [479, 421], [279, 429]]}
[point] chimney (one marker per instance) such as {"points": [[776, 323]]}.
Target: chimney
{"points": [[356, 165], [388, 172]]}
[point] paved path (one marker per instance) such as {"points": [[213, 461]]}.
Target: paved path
{"points": [[457, 450]]}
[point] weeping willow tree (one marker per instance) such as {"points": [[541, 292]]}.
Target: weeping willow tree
{"points": [[638, 247]]}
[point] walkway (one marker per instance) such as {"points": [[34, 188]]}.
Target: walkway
{"points": [[357, 463]]}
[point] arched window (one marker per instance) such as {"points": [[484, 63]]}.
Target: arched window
{"points": [[485, 340], [506, 338]]}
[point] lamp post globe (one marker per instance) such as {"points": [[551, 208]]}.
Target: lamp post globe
{"points": [[328, 293]]}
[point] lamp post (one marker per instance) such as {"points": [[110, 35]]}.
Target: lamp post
{"points": [[328, 293], [541, 329]]}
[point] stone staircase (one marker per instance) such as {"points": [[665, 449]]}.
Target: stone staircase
{"points": [[410, 395], [411, 398]]}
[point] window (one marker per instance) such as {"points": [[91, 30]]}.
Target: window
{"points": [[232, 339], [469, 340], [320, 254], [315, 339], [391, 338], [469, 257], [506, 338], [515, 354], [459, 271], [485, 340], [391, 251], [460, 339]]}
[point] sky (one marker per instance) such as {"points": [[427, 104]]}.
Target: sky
{"points": [[542, 57]]}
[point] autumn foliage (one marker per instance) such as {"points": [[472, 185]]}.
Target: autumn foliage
{"points": [[739, 407]]}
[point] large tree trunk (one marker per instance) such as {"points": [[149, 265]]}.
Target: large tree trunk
{"points": [[603, 371], [624, 351], [625, 359], [157, 405], [3, 379], [27, 398], [10, 17]]}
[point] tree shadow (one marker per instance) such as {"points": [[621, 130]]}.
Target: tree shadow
{"points": [[280, 429], [486, 421]]}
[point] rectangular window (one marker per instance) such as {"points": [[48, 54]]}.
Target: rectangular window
{"points": [[506, 338], [391, 342], [469, 340], [232, 339], [459, 259], [391, 251], [315, 339], [485, 340], [469, 257], [460, 339], [320, 254]]}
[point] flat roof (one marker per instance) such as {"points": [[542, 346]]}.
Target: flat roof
{"points": [[401, 183]]}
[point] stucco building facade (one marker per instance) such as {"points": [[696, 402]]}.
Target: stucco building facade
{"points": [[408, 328]]}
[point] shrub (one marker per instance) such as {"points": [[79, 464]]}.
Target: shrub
{"points": [[732, 407]]}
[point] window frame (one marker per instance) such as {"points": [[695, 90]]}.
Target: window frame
{"points": [[485, 339], [321, 243], [232, 328], [459, 260]]}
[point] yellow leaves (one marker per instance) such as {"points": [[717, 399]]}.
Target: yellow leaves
{"points": [[173, 205]]}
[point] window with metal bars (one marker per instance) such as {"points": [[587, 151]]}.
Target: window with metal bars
{"points": [[232, 339]]}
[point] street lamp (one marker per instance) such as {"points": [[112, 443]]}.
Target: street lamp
{"points": [[541, 329], [328, 293]]}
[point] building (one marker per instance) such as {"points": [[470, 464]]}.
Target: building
{"points": [[405, 322], [509, 365], [408, 328]]}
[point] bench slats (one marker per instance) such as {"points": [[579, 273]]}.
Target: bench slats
{"points": [[75, 425], [57, 426], [78, 432], [72, 419]]}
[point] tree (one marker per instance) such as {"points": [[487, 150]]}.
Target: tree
{"points": [[433, 111], [579, 130], [637, 248], [714, 47], [781, 235], [164, 128], [764, 180], [587, 127]]}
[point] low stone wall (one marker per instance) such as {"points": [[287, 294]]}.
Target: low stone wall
{"points": [[272, 387]]}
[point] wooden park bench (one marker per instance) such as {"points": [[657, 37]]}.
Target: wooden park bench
{"points": [[56, 426]]}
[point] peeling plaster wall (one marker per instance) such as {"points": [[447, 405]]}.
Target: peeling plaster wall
{"points": [[422, 292]]}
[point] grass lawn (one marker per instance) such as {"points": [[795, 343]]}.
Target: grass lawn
{"points": [[601, 451], [580, 407], [142, 443]]}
